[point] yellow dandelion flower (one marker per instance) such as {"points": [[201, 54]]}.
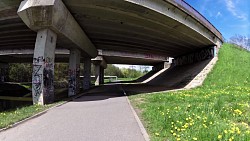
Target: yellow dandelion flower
{"points": [[157, 134], [195, 139], [219, 136]]}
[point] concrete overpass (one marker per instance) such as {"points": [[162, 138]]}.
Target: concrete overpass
{"points": [[166, 28]]}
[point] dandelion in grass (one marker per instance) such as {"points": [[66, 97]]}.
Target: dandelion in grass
{"points": [[237, 111], [225, 131], [219, 137]]}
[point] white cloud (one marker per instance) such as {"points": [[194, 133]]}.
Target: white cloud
{"points": [[218, 15], [231, 7]]}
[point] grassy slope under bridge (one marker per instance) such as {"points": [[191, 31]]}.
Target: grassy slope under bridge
{"points": [[219, 110]]}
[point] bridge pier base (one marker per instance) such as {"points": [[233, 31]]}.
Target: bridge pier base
{"points": [[74, 72], [87, 73], [43, 67]]}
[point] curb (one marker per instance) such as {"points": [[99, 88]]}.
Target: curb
{"points": [[31, 117], [41, 113], [143, 130]]}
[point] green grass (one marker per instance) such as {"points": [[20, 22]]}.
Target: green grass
{"points": [[218, 110], [26, 85], [127, 79], [7, 118]]}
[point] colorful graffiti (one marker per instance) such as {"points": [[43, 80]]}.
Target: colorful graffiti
{"points": [[74, 80]]}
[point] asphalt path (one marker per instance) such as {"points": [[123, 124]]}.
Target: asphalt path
{"points": [[101, 115]]}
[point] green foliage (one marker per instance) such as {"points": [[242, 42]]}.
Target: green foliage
{"points": [[131, 73], [20, 72], [114, 71], [61, 71], [218, 110], [122, 73]]}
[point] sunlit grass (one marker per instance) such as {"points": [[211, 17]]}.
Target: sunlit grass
{"points": [[219, 110], [7, 118]]}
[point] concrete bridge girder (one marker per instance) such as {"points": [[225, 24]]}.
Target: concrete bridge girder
{"points": [[54, 15], [181, 15], [51, 19], [130, 57], [163, 27]]}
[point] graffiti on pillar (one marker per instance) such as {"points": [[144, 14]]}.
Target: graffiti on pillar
{"points": [[195, 57], [48, 78], [72, 82], [37, 81], [43, 77], [38, 59], [74, 79]]}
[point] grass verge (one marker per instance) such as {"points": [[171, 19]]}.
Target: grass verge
{"points": [[7, 118], [219, 110]]}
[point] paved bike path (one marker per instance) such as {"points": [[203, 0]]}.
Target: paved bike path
{"points": [[102, 115]]}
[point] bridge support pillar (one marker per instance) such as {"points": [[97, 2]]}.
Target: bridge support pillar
{"points": [[74, 72], [102, 75], [100, 65], [43, 67], [99, 75], [87, 73]]}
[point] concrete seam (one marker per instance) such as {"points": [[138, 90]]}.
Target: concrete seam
{"points": [[143, 130]]}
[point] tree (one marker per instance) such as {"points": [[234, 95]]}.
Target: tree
{"points": [[20, 72], [113, 70], [240, 40]]}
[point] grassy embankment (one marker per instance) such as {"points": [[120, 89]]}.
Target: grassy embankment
{"points": [[7, 118], [218, 110]]}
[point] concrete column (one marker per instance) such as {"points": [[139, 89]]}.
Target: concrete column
{"points": [[74, 72], [87, 73], [43, 67], [97, 74], [101, 75]]}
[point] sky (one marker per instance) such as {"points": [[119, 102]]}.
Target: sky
{"points": [[230, 17]]}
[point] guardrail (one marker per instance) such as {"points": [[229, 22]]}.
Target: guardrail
{"points": [[195, 14]]}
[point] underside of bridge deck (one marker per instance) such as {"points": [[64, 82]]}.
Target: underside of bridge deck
{"points": [[155, 27]]}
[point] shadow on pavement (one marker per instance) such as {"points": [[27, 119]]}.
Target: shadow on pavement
{"points": [[173, 78]]}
